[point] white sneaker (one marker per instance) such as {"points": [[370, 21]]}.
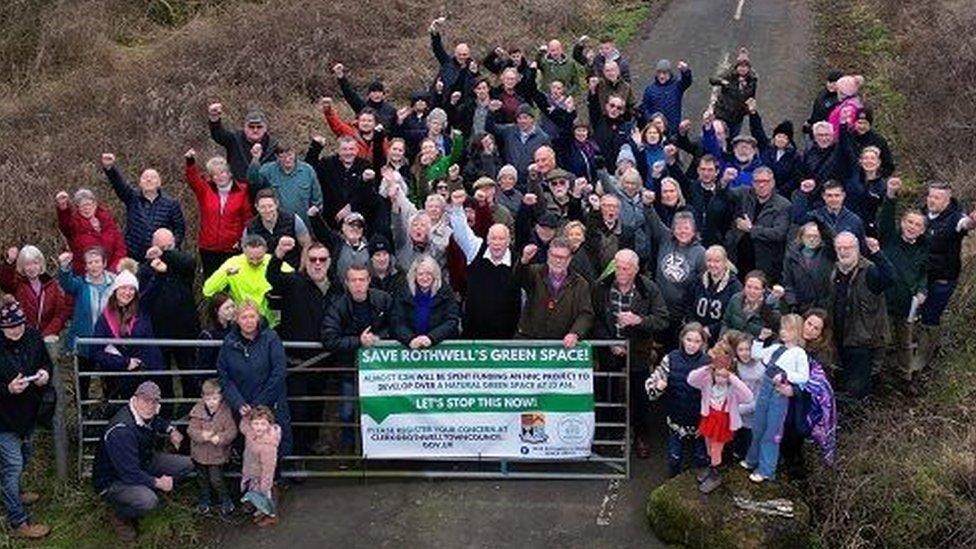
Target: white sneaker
{"points": [[757, 478], [745, 465]]}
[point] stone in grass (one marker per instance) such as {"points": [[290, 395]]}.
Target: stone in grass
{"points": [[679, 514]]}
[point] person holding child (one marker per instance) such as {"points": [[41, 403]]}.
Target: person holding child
{"points": [[722, 392], [262, 437], [786, 365], [212, 432]]}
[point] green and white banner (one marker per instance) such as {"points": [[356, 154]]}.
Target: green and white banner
{"points": [[477, 400]]}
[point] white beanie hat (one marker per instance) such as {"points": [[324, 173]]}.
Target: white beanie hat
{"points": [[124, 278]]}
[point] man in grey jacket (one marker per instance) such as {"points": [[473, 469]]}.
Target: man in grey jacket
{"points": [[761, 221]]}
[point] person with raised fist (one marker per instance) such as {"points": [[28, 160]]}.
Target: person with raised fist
{"points": [[238, 144], [85, 223], [147, 207], [224, 205]]}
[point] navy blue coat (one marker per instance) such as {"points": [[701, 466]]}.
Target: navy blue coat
{"points": [[143, 217], [253, 372], [116, 357], [127, 451], [710, 299], [666, 98], [682, 402]]}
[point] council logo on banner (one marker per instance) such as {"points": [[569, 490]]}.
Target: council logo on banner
{"points": [[533, 428]]}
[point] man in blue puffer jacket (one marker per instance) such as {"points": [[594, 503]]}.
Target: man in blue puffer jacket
{"points": [[665, 92]]}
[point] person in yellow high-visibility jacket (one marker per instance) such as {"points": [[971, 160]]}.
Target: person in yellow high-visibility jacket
{"points": [[243, 276]]}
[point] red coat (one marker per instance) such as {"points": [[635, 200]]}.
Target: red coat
{"points": [[219, 231], [47, 312], [80, 235], [339, 128]]}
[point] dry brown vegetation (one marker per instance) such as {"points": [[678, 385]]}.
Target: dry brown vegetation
{"points": [[906, 476], [135, 76]]}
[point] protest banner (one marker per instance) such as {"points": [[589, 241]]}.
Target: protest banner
{"points": [[477, 400]]}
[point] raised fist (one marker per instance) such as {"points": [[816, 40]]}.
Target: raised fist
{"points": [[593, 82], [285, 245], [894, 185], [256, 151], [647, 197], [313, 211], [338, 70], [594, 201], [682, 65], [454, 172], [458, 197], [154, 252], [12, 253], [190, 154], [530, 199], [529, 252], [808, 185], [684, 127], [369, 175], [455, 98], [65, 259], [751, 105], [61, 200], [873, 245], [108, 160], [494, 105], [158, 265]]}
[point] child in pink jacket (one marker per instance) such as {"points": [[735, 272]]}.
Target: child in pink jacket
{"points": [[261, 436], [721, 393]]}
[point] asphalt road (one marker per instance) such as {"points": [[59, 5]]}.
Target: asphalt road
{"points": [[513, 513]]}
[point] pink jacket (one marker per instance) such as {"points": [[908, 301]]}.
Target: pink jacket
{"points": [[260, 458], [845, 112], [701, 379]]}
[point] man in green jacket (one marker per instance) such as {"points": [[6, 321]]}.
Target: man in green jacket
{"points": [[554, 64], [558, 303]]}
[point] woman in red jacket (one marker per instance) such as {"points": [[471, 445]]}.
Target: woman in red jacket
{"points": [[87, 225], [46, 306], [225, 209]]}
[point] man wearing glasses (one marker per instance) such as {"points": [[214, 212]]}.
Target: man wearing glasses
{"points": [[557, 304], [611, 124]]}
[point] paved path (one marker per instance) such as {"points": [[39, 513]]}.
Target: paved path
{"points": [[472, 514]]}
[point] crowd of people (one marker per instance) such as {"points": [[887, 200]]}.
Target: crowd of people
{"points": [[752, 270]]}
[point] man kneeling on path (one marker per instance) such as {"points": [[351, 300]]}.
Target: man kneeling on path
{"points": [[128, 470]]}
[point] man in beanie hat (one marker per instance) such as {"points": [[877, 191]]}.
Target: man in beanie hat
{"points": [[25, 368], [736, 86], [385, 275], [238, 144], [664, 94], [825, 102], [865, 136], [128, 471], [779, 153], [375, 98]]}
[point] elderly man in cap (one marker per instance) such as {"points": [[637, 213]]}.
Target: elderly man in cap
{"points": [[238, 144], [519, 140], [375, 98], [485, 191], [128, 471], [347, 246], [25, 368]]}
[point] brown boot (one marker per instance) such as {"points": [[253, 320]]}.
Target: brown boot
{"points": [[29, 498], [31, 530], [267, 520], [125, 529]]}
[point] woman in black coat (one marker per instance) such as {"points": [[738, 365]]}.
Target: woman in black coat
{"points": [[425, 312], [483, 160]]}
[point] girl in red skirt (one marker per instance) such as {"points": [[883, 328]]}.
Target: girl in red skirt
{"points": [[721, 393]]}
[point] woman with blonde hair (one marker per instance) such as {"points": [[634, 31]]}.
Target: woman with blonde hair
{"points": [[425, 312]]}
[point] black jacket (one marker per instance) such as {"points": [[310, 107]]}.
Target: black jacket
{"points": [[239, 148], [340, 331], [169, 297], [126, 451], [648, 304], [445, 316], [303, 305], [385, 111], [945, 243], [807, 280], [18, 413], [342, 186]]}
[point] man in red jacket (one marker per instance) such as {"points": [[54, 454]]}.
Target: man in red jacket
{"points": [[225, 208]]}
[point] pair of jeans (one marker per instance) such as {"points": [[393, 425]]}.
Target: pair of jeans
{"points": [[211, 477], [132, 501], [347, 413], [677, 446], [856, 364], [939, 294], [15, 451], [767, 429]]}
